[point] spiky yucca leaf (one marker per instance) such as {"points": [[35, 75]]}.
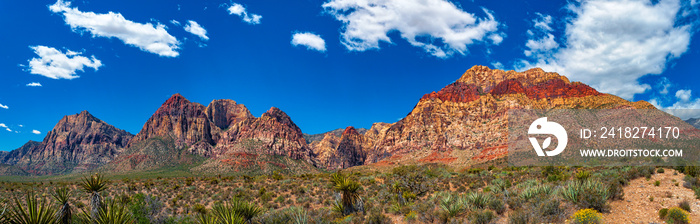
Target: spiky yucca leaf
{"points": [[35, 212], [245, 209], [65, 213], [93, 186], [226, 214]]}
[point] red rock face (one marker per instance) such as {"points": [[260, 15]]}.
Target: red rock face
{"points": [[273, 133], [178, 118], [456, 92], [466, 122], [77, 143], [225, 113]]}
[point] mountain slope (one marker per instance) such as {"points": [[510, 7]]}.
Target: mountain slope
{"points": [[695, 122], [77, 143]]}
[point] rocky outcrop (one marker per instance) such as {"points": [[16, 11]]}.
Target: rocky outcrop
{"points": [[273, 133], [77, 143], [465, 122], [225, 113], [178, 119]]}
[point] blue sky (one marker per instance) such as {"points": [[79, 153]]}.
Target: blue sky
{"points": [[328, 64]]}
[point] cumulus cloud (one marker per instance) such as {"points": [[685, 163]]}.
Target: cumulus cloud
{"points": [[36, 132], [34, 84], [310, 40], [55, 64], [683, 95], [194, 28], [2, 125], [610, 44], [238, 9], [437, 26], [4, 106], [145, 36]]}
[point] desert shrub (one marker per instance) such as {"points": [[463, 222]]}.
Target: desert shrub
{"points": [[690, 182], [481, 216], [377, 217], [692, 171], [200, 209], [586, 216], [685, 205], [582, 175], [660, 170], [498, 206], [657, 183], [533, 191], [677, 215], [549, 207], [451, 205], [588, 194], [478, 199], [519, 217], [662, 213], [697, 192]]}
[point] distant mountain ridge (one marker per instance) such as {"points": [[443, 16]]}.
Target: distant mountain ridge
{"points": [[462, 124], [695, 122]]}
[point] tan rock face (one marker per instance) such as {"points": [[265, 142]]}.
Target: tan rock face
{"points": [[78, 142]]}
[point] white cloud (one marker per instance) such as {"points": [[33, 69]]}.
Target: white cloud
{"points": [[437, 26], [21, 126], [34, 84], [610, 44], [683, 95], [55, 64], [310, 40], [175, 22], [238, 9], [498, 65], [664, 85], [2, 125], [194, 28], [146, 36], [4, 106], [36, 132]]}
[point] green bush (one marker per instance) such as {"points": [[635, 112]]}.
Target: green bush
{"points": [[657, 183], [660, 170], [498, 206], [662, 213], [677, 215], [583, 175], [587, 194], [481, 217]]}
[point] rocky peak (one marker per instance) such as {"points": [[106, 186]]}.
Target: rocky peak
{"points": [[178, 118], [77, 142], [278, 115], [225, 113], [350, 130]]}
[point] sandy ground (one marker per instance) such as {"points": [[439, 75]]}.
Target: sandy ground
{"points": [[637, 208]]}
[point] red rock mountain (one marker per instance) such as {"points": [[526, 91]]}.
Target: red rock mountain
{"points": [[77, 143], [465, 122], [180, 129]]}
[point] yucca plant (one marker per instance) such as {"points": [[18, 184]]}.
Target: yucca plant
{"points": [[299, 216], [93, 185], [245, 209], [349, 189], [65, 213], [203, 218], [226, 214], [32, 212], [452, 205], [111, 212], [478, 200]]}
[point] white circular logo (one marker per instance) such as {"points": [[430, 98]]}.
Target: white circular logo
{"points": [[542, 126]]}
